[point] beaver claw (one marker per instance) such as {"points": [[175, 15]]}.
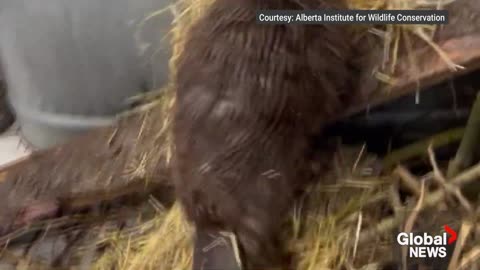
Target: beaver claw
{"points": [[214, 251]]}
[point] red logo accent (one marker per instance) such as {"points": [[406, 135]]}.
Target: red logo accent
{"points": [[453, 234]]}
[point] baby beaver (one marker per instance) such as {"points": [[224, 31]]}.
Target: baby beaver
{"points": [[250, 98]]}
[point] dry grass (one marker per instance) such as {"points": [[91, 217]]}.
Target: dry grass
{"points": [[329, 229], [320, 236], [165, 244]]}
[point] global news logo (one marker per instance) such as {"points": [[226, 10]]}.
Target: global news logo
{"points": [[426, 245]]}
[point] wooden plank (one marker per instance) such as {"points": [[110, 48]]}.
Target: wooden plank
{"points": [[459, 39], [432, 69]]}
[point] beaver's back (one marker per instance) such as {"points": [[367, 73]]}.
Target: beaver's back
{"points": [[249, 97], [295, 66]]}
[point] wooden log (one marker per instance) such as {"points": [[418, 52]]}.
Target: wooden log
{"points": [[105, 164]]}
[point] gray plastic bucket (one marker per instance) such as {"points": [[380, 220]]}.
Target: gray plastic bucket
{"points": [[42, 129], [71, 65]]}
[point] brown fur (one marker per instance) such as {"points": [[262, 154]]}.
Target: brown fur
{"points": [[249, 99]]}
